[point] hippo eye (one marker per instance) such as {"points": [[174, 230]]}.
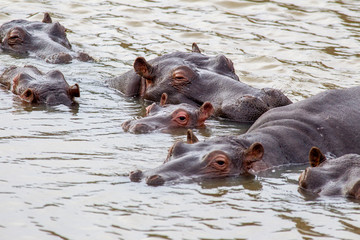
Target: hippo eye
{"points": [[180, 117], [181, 77], [218, 160]]}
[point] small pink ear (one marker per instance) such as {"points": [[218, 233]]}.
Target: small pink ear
{"points": [[47, 18], [205, 111], [195, 48], [148, 108], [74, 90], [190, 137], [163, 99], [28, 96], [316, 157], [252, 154], [143, 68]]}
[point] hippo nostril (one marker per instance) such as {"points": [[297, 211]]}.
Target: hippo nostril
{"points": [[59, 58], [155, 180], [126, 125], [135, 176], [140, 128]]}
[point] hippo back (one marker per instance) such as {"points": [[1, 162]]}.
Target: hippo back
{"points": [[329, 120]]}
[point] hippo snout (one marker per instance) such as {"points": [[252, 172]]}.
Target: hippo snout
{"points": [[126, 125], [155, 180], [132, 127]]}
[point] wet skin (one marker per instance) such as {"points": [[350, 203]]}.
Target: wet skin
{"points": [[194, 78], [35, 87], [166, 117], [281, 136], [331, 177], [44, 39]]}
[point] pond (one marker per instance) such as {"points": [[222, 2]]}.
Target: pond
{"points": [[64, 172]]}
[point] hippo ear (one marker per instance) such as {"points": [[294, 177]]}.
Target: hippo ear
{"points": [[205, 111], [195, 48], [74, 90], [28, 96], [163, 99], [252, 154], [354, 191], [316, 157], [190, 137], [143, 68], [47, 18]]}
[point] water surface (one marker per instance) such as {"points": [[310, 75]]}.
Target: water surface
{"points": [[64, 172]]}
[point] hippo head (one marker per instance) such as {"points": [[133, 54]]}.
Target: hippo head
{"points": [[44, 39], [173, 74], [215, 158], [337, 176], [166, 117], [35, 87]]}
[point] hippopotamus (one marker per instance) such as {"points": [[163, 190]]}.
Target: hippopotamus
{"points": [[281, 136], [334, 176], [45, 40], [36, 87], [195, 78], [165, 117]]}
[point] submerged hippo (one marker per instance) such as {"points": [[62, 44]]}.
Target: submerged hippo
{"points": [[44, 39], [337, 176], [281, 136], [35, 87], [166, 117], [194, 78]]}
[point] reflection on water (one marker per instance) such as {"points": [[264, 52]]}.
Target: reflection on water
{"points": [[63, 171]]}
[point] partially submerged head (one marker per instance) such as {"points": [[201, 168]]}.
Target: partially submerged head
{"points": [[166, 117], [44, 39], [215, 158], [337, 176], [183, 76], [37, 88]]}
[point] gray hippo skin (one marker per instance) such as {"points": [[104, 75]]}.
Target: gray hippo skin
{"points": [[331, 177], [166, 117], [194, 78], [281, 136], [37, 88], [44, 39]]}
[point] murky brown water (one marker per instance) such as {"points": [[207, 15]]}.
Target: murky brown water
{"points": [[63, 173]]}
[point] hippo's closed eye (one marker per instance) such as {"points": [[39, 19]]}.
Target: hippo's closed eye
{"points": [[182, 76]]}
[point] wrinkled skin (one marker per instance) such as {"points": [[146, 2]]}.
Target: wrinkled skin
{"points": [[194, 78], [44, 39], [331, 177], [34, 87], [166, 117], [281, 136]]}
